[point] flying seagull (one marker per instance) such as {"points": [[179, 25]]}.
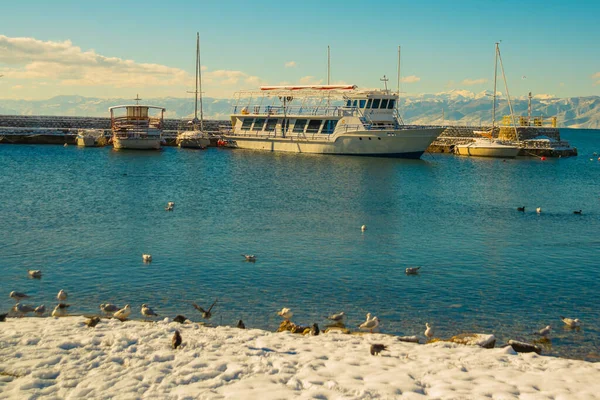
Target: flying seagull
{"points": [[206, 314]]}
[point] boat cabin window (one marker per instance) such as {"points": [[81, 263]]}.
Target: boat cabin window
{"points": [[271, 123], [369, 103], [384, 103], [247, 124], [348, 103], [355, 103], [313, 126], [329, 126], [137, 112], [361, 103], [376, 103], [258, 124], [391, 104], [299, 125]]}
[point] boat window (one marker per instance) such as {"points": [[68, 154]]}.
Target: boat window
{"points": [[271, 123], [329, 126], [384, 103], [376, 103], [247, 124], [391, 104], [258, 124], [368, 103], [362, 103], [313, 126], [299, 126], [355, 103]]}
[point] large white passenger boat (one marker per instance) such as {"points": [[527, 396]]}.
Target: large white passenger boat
{"points": [[326, 119], [133, 126]]}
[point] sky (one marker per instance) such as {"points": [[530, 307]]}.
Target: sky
{"points": [[113, 49]]}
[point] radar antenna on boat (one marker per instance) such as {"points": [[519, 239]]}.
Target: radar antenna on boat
{"points": [[137, 99], [385, 81]]}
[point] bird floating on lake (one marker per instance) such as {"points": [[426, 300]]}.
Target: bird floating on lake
{"points": [[62, 295], [17, 296], [170, 206], [522, 209], [370, 324], [22, 309], [60, 310], [206, 314], [363, 228], [377, 348], [285, 313], [337, 317], [40, 310], [249, 257], [176, 341], [412, 270], [34, 273], [545, 331], [538, 210], [570, 322], [146, 258], [123, 313], [577, 212], [428, 330], [147, 312], [109, 308]]}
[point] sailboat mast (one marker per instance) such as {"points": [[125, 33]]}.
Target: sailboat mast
{"points": [[196, 91], [512, 114], [494, 94], [199, 80], [328, 66]]}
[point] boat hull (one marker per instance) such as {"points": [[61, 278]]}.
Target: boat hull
{"points": [[86, 141], [193, 143], [402, 143], [483, 151], [136, 143]]}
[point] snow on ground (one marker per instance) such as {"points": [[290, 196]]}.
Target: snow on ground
{"points": [[63, 358]]}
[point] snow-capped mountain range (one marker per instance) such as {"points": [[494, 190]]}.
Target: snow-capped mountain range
{"points": [[455, 107]]}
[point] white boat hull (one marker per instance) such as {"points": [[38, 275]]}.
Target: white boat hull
{"points": [[86, 141], [401, 143], [136, 143], [479, 150], [193, 143]]}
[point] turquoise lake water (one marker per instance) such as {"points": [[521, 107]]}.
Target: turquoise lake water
{"points": [[85, 216]]}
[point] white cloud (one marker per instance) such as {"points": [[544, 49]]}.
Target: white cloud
{"points": [[310, 80], [543, 96], [470, 82], [596, 77], [290, 64], [410, 79]]}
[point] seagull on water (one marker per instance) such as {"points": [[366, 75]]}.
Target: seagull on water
{"points": [[123, 313], [285, 313], [62, 295], [60, 310], [147, 312], [412, 270], [522, 209], [176, 341], [17, 296], [577, 212], [538, 210], [370, 324], [570, 322], [428, 331], [337, 317], [170, 206], [22, 309], [109, 308], [40, 310], [147, 258], [206, 314], [545, 331], [34, 273], [363, 228], [377, 348], [249, 257]]}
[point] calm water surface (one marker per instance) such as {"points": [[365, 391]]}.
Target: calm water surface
{"points": [[85, 215]]}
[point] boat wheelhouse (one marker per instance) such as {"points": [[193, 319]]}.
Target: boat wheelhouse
{"points": [[137, 126], [326, 119]]}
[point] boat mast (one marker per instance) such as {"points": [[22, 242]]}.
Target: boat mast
{"points": [[512, 114], [199, 80], [328, 66], [494, 94], [196, 91], [398, 88]]}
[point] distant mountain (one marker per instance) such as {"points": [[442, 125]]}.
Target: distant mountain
{"points": [[457, 107]]}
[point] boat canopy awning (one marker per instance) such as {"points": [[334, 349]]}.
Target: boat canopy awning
{"points": [[310, 87]]}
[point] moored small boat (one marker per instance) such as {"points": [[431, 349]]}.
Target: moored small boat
{"points": [[133, 126]]}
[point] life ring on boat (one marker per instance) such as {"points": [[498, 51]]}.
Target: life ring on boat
{"points": [[343, 121]]}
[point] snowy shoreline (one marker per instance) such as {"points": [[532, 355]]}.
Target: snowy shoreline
{"points": [[63, 358]]}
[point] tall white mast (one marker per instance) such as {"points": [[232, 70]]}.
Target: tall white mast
{"points": [[199, 80], [328, 66], [494, 94]]}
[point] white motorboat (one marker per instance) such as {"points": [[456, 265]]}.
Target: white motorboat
{"points": [[326, 119], [91, 138], [195, 138], [486, 147], [135, 127]]}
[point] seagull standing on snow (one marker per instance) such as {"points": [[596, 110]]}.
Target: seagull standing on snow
{"points": [[570, 322], [285, 313], [147, 312], [176, 341], [370, 324], [428, 331], [62, 295], [60, 310], [123, 313], [17, 296]]}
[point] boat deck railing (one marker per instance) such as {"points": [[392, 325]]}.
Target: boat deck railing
{"points": [[302, 110], [136, 123]]}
